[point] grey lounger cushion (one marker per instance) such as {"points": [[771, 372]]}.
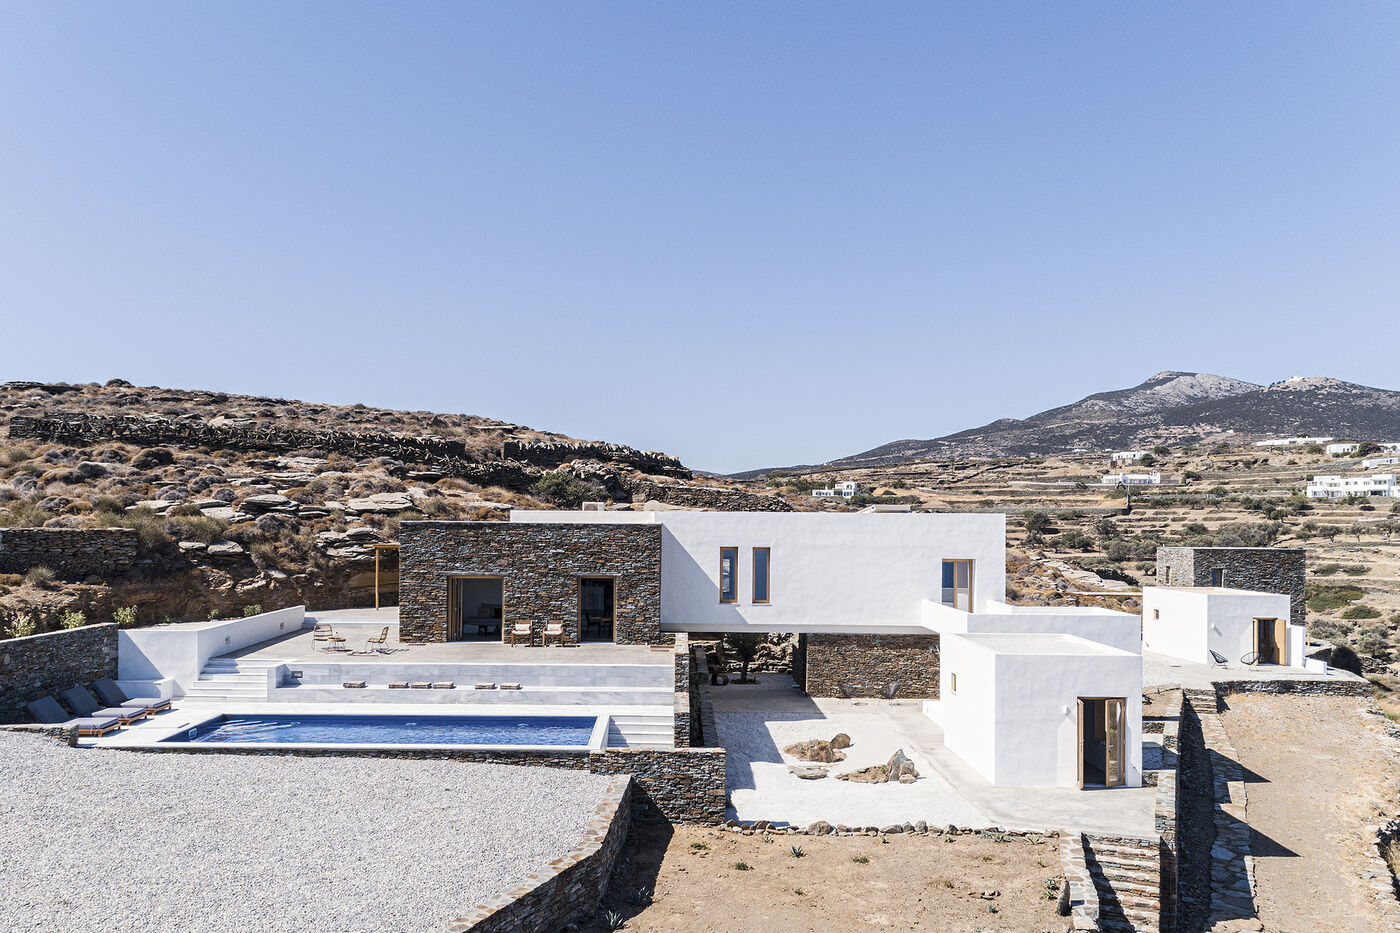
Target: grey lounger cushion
{"points": [[47, 710], [113, 695], [83, 703]]}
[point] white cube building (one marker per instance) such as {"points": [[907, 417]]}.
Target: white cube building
{"points": [[1241, 626]]}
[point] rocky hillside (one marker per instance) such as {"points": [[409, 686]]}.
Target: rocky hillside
{"points": [[240, 500], [1169, 408]]}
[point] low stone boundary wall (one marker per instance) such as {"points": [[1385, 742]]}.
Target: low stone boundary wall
{"points": [[42, 665], [71, 553], [571, 887], [868, 662], [705, 497], [1330, 687], [684, 701], [1232, 887], [1080, 895]]}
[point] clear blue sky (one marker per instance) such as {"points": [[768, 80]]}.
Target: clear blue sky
{"points": [[747, 234]]}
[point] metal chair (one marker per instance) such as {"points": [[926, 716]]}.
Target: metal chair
{"points": [[890, 690], [1218, 658], [848, 692]]}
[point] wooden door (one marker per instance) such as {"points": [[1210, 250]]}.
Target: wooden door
{"points": [[454, 609], [1280, 641], [1079, 758], [1114, 727]]}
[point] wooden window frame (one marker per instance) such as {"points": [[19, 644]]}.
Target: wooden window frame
{"points": [[1121, 778], [767, 576], [462, 618], [971, 576], [1221, 571], [735, 598]]}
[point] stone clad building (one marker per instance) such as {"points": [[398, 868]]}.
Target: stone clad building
{"points": [[1261, 569]]}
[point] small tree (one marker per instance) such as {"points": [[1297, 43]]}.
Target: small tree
{"points": [[1036, 522], [745, 648]]}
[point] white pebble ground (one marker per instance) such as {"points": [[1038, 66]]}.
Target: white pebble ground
{"points": [[94, 839], [762, 788]]}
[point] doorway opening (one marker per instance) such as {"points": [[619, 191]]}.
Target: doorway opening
{"points": [[957, 584], [475, 608], [595, 608], [1270, 641], [1101, 741]]}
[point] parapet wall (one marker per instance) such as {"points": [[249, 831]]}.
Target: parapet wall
{"points": [[71, 553], [43, 665]]}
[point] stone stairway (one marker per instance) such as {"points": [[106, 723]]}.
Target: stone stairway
{"points": [[231, 679], [1126, 874]]}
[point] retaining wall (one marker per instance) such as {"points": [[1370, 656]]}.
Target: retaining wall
{"points": [[704, 497], [43, 665], [866, 663], [570, 887], [71, 553]]}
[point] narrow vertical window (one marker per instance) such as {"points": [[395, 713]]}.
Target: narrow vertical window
{"points": [[1217, 576], [760, 575], [729, 574], [957, 584]]}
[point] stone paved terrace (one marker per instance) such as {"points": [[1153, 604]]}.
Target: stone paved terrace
{"points": [[1160, 670]]}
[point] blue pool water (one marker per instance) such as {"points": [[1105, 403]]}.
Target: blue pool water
{"points": [[394, 730]]}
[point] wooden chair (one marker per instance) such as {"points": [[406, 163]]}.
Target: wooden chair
{"points": [[521, 630], [377, 643], [553, 630]]}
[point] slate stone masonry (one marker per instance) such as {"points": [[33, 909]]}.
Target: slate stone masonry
{"points": [[71, 553], [43, 665], [1262, 569], [540, 566], [867, 663]]}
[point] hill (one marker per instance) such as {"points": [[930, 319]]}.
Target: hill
{"points": [[1169, 408]]}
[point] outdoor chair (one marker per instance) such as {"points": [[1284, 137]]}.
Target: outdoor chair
{"points": [[324, 633], [848, 692], [554, 630], [375, 643], [890, 690], [108, 692], [85, 704], [47, 710], [522, 630], [1251, 659], [1217, 658]]}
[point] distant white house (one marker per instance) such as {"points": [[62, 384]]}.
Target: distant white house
{"points": [[1132, 479], [846, 489], [1192, 622], [1339, 487], [1292, 441], [1126, 456], [1373, 462], [1333, 450]]}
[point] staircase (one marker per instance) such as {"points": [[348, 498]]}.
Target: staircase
{"points": [[1127, 878], [641, 730], [232, 679]]}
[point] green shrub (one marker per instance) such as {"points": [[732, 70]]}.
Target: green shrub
{"points": [[1374, 641], [201, 528], [1035, 521], [253, 610], [1327, 570], [72, 618], [149, 527], [1322, 598], [1361, 612], [1356, 570], [42, 577], [567, 490], [20, 627], [124, 616]]}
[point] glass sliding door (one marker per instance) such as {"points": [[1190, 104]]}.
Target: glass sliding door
{"points": [[957, 584]]}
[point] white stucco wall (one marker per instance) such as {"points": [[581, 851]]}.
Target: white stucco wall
{"points": [[1014, 717], [848, 572], [180, 651], [1106, 626], [1189, 622]]}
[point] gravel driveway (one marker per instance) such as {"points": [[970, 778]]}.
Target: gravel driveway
{"points": [[122, 841]]}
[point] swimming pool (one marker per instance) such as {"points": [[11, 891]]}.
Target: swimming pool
{"points": [[477, 731]]}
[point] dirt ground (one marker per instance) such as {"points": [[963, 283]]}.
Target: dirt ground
{"points": [[840, 883], [1322, 771]]}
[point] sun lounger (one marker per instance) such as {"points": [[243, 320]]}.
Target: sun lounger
{"points": [[85, 704], [47, 710], [108, 692]]}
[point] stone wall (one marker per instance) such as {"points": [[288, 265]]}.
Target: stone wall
{"points": [[570, 887], [866, 663], [540, 565], [72, 553], [703, 733], [685, 701], [1330, 687], [704, 497], [549, 455], [44, 665], [1262, 569]]}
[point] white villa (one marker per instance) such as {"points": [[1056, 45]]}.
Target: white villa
{"points": [[1340, 487], [1126, 456], [1132, 479], [1292, 442], [1373, 462], [1206, 624], [846, 489]]}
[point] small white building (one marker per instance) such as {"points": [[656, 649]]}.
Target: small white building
{"points": [[1190, 622], [846, 489], [1336, 450], [1292, 441], [1373, 462], [1132, 479], [1126, 456], [1340, 487], [1042, 709]]}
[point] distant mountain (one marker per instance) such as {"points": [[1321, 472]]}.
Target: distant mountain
{"points": [[1170, 407]]}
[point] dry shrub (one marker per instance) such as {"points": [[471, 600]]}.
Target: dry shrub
{"points": [[201, 528]]}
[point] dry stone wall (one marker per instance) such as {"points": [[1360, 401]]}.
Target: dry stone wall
{"points": [[705, 497], [868, 662], [540, 566], [1262, 569], [71, 553], [43, 665], [549, 455]]}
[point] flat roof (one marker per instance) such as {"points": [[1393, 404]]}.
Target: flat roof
{"points": [[1040, 643], [1214, 591]]}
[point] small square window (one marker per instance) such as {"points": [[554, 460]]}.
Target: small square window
{"points": [[954, 682]]}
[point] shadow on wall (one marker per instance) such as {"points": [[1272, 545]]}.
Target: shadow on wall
{"points": [[688, 572]]}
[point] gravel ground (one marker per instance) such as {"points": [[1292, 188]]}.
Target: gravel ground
{"points": [[761, 786], [123, 841]]}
